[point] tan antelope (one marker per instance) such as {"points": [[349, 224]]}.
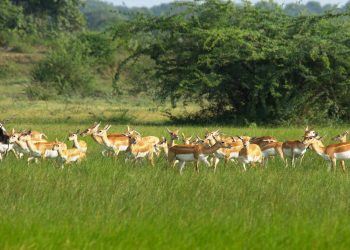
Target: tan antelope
{"points": [[79, 144], [139, 149], [39, 150], [271, 149], [293, 150], [331, 153], [19, 145], [309, 132], [250, 153], [165, 145], [341, 138], [112, 144], [228, 154], [150, 139], [66, 156], [193, 153], [94, 129], [186, 140]]}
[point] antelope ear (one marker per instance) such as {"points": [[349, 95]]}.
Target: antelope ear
{"points": [[177, 130], [168, 130], [128, 128], [56, 139], [217, 131], [183, 135], [307, 128], [108, 127], [190, 137], [346, 132], [13, 131]]}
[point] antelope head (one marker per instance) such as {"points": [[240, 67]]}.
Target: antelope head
{"points": [[91, 130], [73, 136], [341, 137], [186, 140], [103, 132], [174, 135]]}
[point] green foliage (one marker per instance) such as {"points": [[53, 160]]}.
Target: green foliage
{"points": [[248, 62], [100, 47], [65, 71], [11, 16]]}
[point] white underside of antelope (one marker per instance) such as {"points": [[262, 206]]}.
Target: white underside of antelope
{"points": [[51, 154], [249, 159], [269, 152], [297, 152]]}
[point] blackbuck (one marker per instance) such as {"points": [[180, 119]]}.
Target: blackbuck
{"points": [[79, 144], [263, 140], [67, 156], [165, 145], [294, 149], [112, 144], [331, 153], [94, 129], [186, 140], [228, 154], [341, 138], [19, 145], [39, 150], [271, 148], [309, 132], [193, 153], [139, 149], [154, 140], [250, 153]]}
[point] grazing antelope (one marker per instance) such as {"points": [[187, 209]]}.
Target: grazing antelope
{"points": [[40, 149], [79, 144], [186, 140], [66, 156], [332, 153], [197, 153], [94, 129], [112, 144], [250, 153], [139, 149]]}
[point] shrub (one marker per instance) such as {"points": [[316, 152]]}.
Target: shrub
{"points": [[64, 71], [99, 47]]}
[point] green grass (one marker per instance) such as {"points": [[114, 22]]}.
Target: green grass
{"points": [[105, 203]]}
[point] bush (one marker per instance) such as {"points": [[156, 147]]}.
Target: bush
{"points": [[64, 71], [100, 48]]}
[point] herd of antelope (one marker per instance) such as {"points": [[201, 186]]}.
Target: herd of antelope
{"points": [[209, 150]]}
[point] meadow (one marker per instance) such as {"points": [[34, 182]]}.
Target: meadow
{"points": [[104, 203]]}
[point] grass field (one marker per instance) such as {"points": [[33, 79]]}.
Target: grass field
{"points": [[104, 203]]}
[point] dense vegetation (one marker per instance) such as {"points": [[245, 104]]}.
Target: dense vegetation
{"points": [[253, 63], [245, 63]]}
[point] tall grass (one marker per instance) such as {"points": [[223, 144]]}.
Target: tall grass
{"points": [[105, 203]]}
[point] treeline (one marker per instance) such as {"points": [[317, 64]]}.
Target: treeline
{"points": [[241, 63], [247, 63], [100, 15]]}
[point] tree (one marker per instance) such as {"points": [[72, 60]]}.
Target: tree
{"points": [[246, 62]]}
